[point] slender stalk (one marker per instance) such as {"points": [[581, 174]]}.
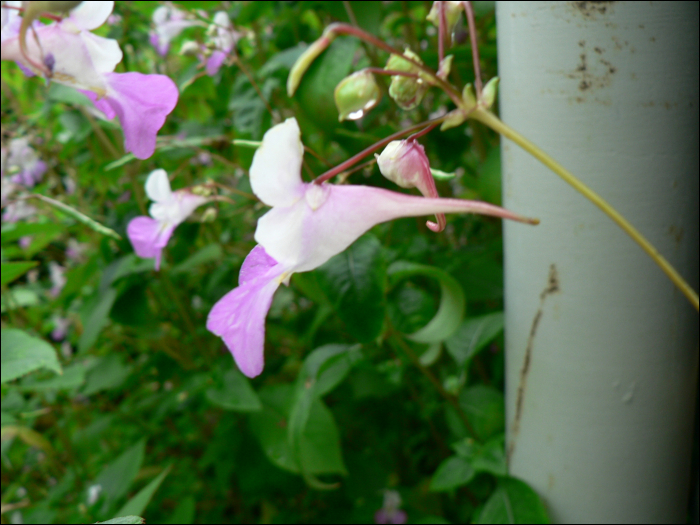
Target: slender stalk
{"points": [[442, 29], [497, 125], [374, 147], [475, 48], [452, 400], [247, 73], [359, 33]]}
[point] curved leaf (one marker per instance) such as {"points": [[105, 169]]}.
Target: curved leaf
{"points": [[23, 353]]}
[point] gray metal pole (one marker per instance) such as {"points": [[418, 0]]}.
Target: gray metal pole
{"points": [[602, 350]]}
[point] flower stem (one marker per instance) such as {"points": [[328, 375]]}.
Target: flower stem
{"points": [[469, 10], [374, 147], [367, 37], [497, 125]]}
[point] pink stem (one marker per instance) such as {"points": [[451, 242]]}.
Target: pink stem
{"points": [[475, 48]]}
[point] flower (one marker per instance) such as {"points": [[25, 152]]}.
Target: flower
{"points": [[223, 41], [149, 235], [79, 59], [168, 22], [405, 163], [307, 225], [57, 274], [23, 161], [390, 512]]}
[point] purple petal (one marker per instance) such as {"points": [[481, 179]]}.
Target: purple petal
{"points": [[214, 62], [141, 102], [148, 237], [239, 316]]}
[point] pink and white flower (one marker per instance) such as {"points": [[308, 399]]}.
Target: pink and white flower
{"points": [[22, 163], [223, 41], [149, 235], [86, 62], [168, 23], [307, 225]]}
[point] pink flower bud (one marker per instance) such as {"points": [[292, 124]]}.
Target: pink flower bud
{"points": [[405, 163]]}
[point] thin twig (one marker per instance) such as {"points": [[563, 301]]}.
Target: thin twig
{"points": [[475, 48]]}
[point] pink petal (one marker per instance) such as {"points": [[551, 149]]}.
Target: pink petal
{"points": [[214, 62], [239, 316], [303, 238], [148, 237], [141, 102]]}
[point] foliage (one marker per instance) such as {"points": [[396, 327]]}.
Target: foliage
{"points": [[116, 400]]}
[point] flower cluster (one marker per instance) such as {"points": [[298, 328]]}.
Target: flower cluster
{"points": [[79, 59]]}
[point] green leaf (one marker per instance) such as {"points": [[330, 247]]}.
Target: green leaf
{"points": [[354, 283], [16, 230], [488, 457], [326, 367], [23, 353], [513, 502], [319, 444], [116, 478], [73, 377], [184, 513], [485, 409], [97, 319], [13, 270], [473, 335], [451, 309], [315, 93], [125, 519], [208, 254], [80, 217], [110, 372], [139, 502], [452, 473], [236, 394]]}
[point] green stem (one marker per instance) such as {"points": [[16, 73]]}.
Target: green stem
{"points": [[497, 125]]}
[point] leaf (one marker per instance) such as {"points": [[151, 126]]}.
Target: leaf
{"points": [[110, 372], [451, 309], [73, 377], [315, 92], [485, 409], [489, 457], [139, 502], [319, 443], [452, 473], [513, 502], [126, 520], [354, 283], [28, 436], [13, 270], [236, 394], [116, 478], [211, 253], [473, 335], [184, 513], [80, 217], [23, 353], [15, 230], [97, 319]]}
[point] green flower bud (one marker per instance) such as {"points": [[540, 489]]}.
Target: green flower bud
{"points": [[407, 92], [356, 94], [307, 57], [453, 10], [488, 96]]}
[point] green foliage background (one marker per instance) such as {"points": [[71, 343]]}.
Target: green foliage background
{"points": [[150, 406]]}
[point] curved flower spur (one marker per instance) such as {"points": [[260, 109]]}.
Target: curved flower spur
{"points": [[307, 225]]}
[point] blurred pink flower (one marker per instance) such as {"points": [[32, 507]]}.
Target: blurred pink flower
{"points": [[390, 512], [307, 225], [149, 235], [168, 23], [23, 163], [86, 62]]}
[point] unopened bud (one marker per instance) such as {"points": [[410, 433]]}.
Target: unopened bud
{"points": [[445, 67], [356, 94], [307, 57], [406, 91], [189, 48], [452, 12], [488, 96], [209, 215], [405, 163]]}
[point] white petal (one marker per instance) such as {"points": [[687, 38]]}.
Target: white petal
{"points": [[104, 52], [158, 186], [91, 15], [275, 174]]}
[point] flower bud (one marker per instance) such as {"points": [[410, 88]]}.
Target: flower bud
{"points": [[452, 10], [190, 48], [307, 57], [356, 94], [407, 92], [488, 96], [405, 163]]}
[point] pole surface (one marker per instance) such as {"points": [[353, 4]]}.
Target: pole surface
{"points": [[601, 348]]}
